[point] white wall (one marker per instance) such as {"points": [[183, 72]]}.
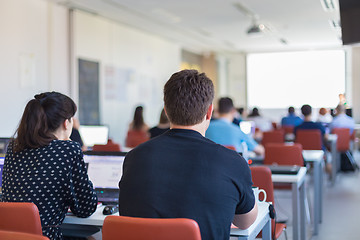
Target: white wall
{"points": [[233, 82], [150, 60], [32, 30]]}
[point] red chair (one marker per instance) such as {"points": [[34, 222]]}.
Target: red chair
{"points": [[273, 137], [310, 139], [109, 147], [8, 235], [288, 129], [131, 228], [20, 217], [343, 144], [283, 154], [261, 177], [136, 137]]}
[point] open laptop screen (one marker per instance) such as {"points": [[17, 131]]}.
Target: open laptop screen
{"points": [[92, 135], [104, 168]]}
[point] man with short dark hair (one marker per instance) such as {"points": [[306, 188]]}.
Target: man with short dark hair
{"points": [[306, 110], [291, 119], [224, 132], [182, 174]]}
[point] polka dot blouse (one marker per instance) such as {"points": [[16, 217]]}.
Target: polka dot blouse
{"points": [[54, 178]]}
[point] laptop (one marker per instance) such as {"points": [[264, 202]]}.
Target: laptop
{"points": [[284, 169], [105, 171]]}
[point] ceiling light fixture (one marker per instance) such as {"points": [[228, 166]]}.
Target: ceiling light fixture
{"points": [[329, 5]]}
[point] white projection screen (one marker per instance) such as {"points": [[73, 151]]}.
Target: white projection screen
{"points": [[280, 80]]}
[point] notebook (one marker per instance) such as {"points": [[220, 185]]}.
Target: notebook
{"points": [[105, 171], [284, 169]]}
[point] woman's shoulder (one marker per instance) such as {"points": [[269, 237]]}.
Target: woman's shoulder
{"points": [[66, 145]]}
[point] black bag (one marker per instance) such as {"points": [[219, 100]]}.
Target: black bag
{"points": [[348, 163]]}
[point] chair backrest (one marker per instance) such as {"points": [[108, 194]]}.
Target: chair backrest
{"points": [[20, 217], [130, 228], [283, 154], [136, 137], [9, 235], [261, 177], [288, 129], [109, 147], [230, 147], [276, 136], [343, 139], [310, 139]]}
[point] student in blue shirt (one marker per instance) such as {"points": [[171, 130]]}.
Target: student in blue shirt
{"points": [[224, 132], [291, 119]]}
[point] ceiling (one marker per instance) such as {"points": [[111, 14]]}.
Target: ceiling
{"points": [[221, 25]]}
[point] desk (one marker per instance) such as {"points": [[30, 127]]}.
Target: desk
{"points": [[298, 200], [332, 139], [316, 158], [262, 222]]}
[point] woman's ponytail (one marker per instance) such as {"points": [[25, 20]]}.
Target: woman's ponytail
{"points": [[41, 117]]}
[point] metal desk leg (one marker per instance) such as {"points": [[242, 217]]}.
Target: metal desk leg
{"points": [[317, 193], [335, 161], [296, 210], [302, 211], [321, 190], [266, 231]]}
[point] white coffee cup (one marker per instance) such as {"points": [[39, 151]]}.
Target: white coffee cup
{"points": [[257, 192]]}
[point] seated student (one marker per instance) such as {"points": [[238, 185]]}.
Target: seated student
{"points": [[138, 120], [324, 117], [182, 174], [262, 123], [224, 132], [162, 127], [291, 119], [44, 167], [341, 120], [306, 110]]}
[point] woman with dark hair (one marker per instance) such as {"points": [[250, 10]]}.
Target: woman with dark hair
{"points": [[138, 130], [163, 126], [138, 121], [44, 166]]}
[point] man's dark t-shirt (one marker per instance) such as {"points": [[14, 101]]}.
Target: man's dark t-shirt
{"points": [[182, 174]]}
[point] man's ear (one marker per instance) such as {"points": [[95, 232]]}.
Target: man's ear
{"points": [[209, 112]]}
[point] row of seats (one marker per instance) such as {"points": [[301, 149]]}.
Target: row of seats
{"points": [[21, 221], [133, 139]]}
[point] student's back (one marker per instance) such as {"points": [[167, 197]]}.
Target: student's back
{"points": [[44, 167], [192, 178]]}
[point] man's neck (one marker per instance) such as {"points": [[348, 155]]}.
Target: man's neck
{"points": [[228, 116], [200, 128], [307, 118]]}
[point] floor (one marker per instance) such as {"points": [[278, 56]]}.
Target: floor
{"points": [[341, 208]]}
